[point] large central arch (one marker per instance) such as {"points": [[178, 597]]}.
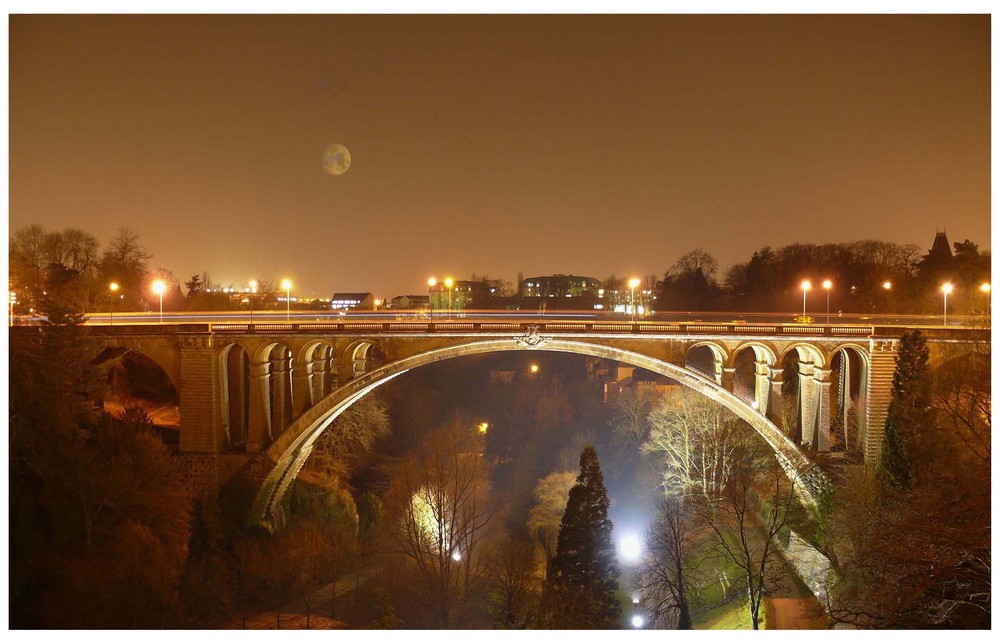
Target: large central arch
{"points": [[291, 449]]}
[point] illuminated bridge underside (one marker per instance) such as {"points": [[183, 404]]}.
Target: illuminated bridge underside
{"points": [[291, 450]]}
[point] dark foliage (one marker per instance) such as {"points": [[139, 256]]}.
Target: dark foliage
{"points": [[584, 570]]}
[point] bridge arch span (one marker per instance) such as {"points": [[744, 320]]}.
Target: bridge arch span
{"points": [[290, 450]]}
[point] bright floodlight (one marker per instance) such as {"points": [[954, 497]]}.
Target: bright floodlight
{"points": [[432, 282], [827, 284], [159, 286], [253, 286], [806, 285], [449, 282], [637, 621], [887, 285], [985, 288], [947, 288], [113, 286], [534, 368], [286, 285], [457, 556], [630, 547], [634, 282]]}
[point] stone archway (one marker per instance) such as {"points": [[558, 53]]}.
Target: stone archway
{"points": [[135, 378], [290, 451]]}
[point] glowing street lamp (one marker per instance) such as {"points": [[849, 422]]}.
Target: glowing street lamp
{"points": [[987, 290], [947, 288], [253, 291], [887, 285], [805, 289], [483, 428], [158, 287], [287, 285], [827, 284], [449, 283], [431, 283], [11, 301], [632, 283], [113, 287], [533, 369]]}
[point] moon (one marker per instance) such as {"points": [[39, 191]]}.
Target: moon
{"points": [[336, 159]]}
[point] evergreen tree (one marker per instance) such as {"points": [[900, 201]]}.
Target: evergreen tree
{"points": [[909, 412], [584, 570]]}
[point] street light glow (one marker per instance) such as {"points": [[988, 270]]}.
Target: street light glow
{"points": [[806, 285], [534, 368], [113, 286], [158, 287], [432, 282], [887, 285], [827, 284], [630, 547], [637, 621], [986, 288], [634, 282]]}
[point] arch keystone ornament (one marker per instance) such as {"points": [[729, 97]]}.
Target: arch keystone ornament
{"points": [[532, 339]]}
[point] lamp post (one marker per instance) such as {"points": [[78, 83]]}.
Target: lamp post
{"points": [[11, 301], [113, 287], [287, 285], [449, 283], [431, 283], [632, 283], [158, 287], [253, 291], [947, 288], [827, 284], [987, 289], [805, 289]]}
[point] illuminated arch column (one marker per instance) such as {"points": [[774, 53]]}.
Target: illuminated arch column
{"points": [[775, 376], [259, 425], [281, 391], [322, 376], [762, 385], [302, 388], [727, 376], [821, 387], [807, 402]]}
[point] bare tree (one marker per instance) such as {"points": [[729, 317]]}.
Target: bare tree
{"points": [[696, 260], [630, 416], [692, 437], [443, 499], [354, 433], [746, 517], [512, 582], [668, 575]]}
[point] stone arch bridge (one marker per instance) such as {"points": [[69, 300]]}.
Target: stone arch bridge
{"points": [[272, 389]]}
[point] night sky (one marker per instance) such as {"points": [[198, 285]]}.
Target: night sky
{"points": [[587, 145]]}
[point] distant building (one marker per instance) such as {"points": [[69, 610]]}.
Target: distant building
{"points": [[349, 301], [410, 302], [463, 294], [940, 249], [501, 376], [559, 286]]}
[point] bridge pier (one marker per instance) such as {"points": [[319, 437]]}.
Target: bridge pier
{"points": [[762, 385], [197, 389], [259, 430], [775, 406], [821, 384]]}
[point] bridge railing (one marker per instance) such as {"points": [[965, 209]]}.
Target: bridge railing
{"points": [[518, 327]]}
